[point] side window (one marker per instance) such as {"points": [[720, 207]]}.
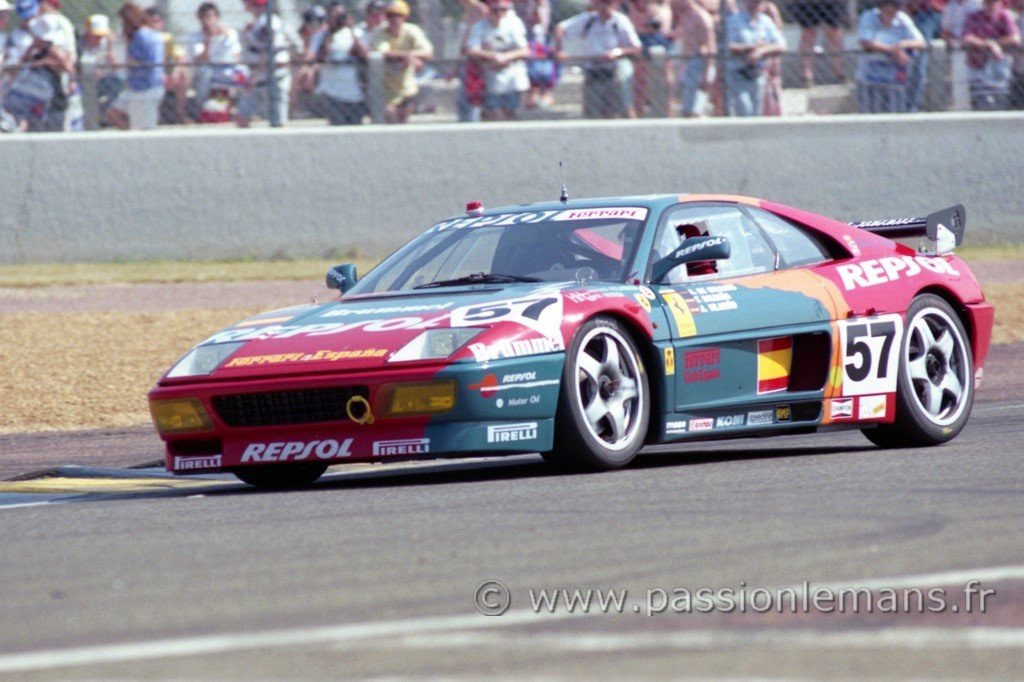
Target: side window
{"points": [[796, 247], [751, 252]]}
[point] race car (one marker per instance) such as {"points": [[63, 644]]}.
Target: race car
{"points": [[583, 330]]}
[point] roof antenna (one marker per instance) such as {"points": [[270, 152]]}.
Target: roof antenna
{"points": [[565, 193]]}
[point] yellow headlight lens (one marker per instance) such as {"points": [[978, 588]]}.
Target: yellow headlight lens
{"points": [[425, 397], [181, 415]]}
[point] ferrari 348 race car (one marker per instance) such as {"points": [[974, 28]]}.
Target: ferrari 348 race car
{"points": [[584, 330]]}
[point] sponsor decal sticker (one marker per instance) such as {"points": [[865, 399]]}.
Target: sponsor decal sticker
{"points": [[841, 408], [329, 355], [783, 413], [343, 311], [872, 407], [277, 331], [870, 354], [774, 359], [513, 349], [701, 365], [729, 420], [685, 326], [759, 418], [296, 451], [675, 426], [670, 361], [511, 433], [197, 463], [877, 271], [703, 424], [407, 446], [642, 300], [503, 219], [852, 245], [646, 291]]}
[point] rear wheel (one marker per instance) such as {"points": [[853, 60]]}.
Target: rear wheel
{"points": [[604, 405], [935, 391], [282, 476]]}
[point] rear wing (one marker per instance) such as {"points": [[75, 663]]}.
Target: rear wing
{"points": [[945, 228]]}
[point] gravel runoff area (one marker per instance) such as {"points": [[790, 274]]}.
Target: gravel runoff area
{"points": [[78, 360]]}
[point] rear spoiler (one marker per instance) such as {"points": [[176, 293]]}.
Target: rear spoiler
{"points": [[944, 228]]}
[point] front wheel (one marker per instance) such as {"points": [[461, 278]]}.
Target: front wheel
{"points": [[935, 390], [282, 476], [605, 403]]}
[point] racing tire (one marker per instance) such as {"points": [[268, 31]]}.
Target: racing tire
{"points": [[935, 388], [282, 476], [605, 402]]}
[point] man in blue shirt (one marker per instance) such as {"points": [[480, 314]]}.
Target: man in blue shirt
{"points": [[751, 36]]}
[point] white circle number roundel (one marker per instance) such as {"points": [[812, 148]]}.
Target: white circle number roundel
{"points": [[871, 354]]}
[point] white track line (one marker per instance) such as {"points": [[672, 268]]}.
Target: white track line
{"points": [[416, 627], [892, 637]]}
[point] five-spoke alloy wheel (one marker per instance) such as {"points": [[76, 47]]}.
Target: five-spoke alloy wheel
{"points": [[935, 391], [605, 401]]}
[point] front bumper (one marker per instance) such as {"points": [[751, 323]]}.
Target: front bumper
{"points": [[505, 406]]}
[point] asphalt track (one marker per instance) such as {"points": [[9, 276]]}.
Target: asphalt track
{"points": [[373, 571]]}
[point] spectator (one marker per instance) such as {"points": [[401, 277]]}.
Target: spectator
{"points": [[314, 20], [138, 106], [534, 12], [888, 37], [51, 10], [216, 51], [752, 37], [953, 16], [772, 67], [498, 43], [176, 76], [263, 41], [470, 102], [696, 33], [609, 42], [37, 96], [988, 34], [543, 69], [405, 49], [375, 17], [337, 51], [98, 52], [927, 16], [1016, 98], [814, 17], [652, 20]]}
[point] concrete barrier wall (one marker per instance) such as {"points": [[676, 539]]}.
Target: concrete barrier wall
{"points": [[211, 194]]}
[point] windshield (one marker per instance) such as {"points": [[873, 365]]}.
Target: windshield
{"points": [[548, 246]]}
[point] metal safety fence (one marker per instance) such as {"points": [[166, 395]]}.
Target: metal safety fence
{"points": [[660, 82]]}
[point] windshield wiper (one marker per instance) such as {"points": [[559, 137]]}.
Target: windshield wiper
{"points": [[477, 278]]}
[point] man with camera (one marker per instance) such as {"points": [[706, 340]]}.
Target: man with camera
{"points": [[609, 43], [751, 35], [337, 52]]}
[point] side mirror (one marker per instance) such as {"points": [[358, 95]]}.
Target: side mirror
{"points": [[692, 250], [342, 277]]}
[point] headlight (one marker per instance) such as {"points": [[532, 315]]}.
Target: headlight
{"points": [[202, 360], [435, 344], [181, 415]]}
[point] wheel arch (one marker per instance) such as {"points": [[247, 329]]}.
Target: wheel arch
{"points": [[956, 304], [652, 361]]}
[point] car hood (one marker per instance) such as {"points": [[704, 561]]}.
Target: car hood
{"points": [[361, 333]]}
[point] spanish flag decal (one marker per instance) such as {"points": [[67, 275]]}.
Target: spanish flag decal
{"points": [[774, 359]]}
